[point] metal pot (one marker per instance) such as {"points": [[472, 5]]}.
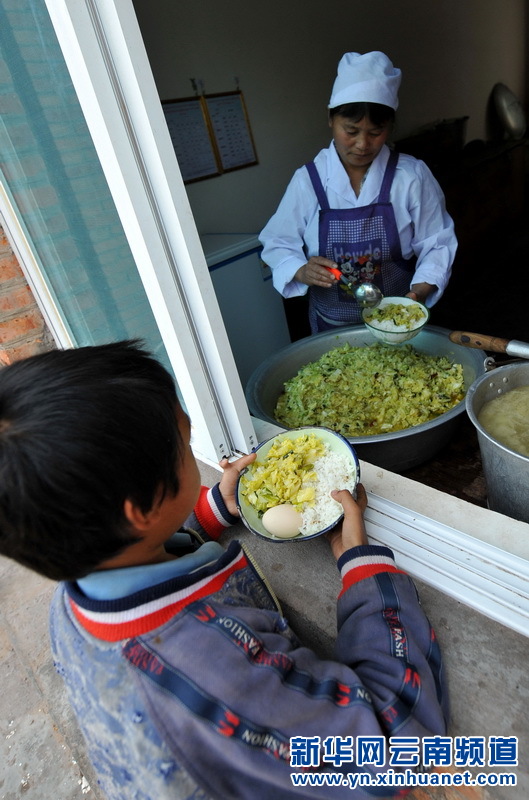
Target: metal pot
{"points": [[393, 451], [506, 472]]}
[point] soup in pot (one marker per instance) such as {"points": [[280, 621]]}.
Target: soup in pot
{"points": [[506, 418]]}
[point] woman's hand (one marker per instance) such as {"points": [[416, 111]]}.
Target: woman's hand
{"points": [[313, 273], [228, 482], [352, 532], [420, 291]]}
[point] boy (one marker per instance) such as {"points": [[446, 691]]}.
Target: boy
{"points": [[185, 678]]}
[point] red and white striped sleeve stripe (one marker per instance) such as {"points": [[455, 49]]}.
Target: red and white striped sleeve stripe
{"points": [[212, 513], [363, 562]]}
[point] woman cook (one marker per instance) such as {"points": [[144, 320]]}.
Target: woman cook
{"points": [[360, 207]]}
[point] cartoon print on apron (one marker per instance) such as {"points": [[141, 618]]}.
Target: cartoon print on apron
{"points": [[365, 244]]}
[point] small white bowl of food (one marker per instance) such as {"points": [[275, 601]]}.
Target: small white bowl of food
{"points": [[284, 495], [396, 319]]}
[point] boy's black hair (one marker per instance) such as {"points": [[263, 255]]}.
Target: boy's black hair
{"points": [[377, 113], [81, 431]]}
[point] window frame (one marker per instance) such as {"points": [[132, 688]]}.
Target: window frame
{"points": [[104, 51]]}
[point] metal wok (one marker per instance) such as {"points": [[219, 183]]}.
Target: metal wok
{"points": [[397, 451]]}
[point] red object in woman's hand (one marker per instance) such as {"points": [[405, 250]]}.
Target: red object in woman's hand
{"points": [[336, 272]]}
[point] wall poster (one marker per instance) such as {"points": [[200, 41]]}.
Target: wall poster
{"points": [[194, 147], [210, 134], [231, 127]]}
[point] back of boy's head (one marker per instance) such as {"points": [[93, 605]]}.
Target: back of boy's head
{"points": [[81, 431]]}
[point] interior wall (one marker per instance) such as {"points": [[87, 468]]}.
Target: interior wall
{"points": [[284, 56]]}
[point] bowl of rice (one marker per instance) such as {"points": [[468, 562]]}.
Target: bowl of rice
{"points": [[396, 319], [284, 495]]}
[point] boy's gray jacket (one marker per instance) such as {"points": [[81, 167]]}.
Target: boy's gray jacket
{"points": [[197, 688]]}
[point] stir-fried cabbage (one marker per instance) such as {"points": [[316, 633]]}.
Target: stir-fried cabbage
{"points": [[400, 315], [361, 391], [286, 475]]}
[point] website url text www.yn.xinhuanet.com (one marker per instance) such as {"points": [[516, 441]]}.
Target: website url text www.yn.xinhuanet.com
{"points": [[408, 778]]}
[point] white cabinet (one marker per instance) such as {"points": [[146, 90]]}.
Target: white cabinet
{"points": [[252, 310]]}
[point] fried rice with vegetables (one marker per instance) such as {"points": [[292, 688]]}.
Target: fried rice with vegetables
{"points": [[362, 391]]}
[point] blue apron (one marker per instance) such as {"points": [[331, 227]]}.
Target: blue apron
{"points": [[365, 244]]}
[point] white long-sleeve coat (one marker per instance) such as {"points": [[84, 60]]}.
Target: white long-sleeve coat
{"points": [[425, 228]]}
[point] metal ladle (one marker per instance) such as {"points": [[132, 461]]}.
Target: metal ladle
{"points": [[366, 295]]}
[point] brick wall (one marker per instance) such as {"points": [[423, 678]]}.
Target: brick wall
{"points": [[23, 330]]}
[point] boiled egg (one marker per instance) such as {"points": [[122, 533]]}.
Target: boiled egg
{"points": [[282, 521]]}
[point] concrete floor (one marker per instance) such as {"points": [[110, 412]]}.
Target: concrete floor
{"points": [[41, 751]]}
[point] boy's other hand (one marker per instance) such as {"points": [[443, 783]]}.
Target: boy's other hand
{"points": [[228, 482], [351, 532]]}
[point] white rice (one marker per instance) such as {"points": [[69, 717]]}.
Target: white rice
{"points": [[389, 326], [334, 471]]}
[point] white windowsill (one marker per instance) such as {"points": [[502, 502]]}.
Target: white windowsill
{"points": [[477, 556]]}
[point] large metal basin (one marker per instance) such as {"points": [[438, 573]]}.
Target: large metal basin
{"points": [[393, 451]]}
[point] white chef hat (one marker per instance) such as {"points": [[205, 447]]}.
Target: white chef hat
{"points": [[367, 78]]}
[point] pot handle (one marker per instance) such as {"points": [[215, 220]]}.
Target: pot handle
{"points": [[480, 341]]}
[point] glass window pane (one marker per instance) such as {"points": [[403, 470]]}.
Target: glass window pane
{"points": [[52, 170]]}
